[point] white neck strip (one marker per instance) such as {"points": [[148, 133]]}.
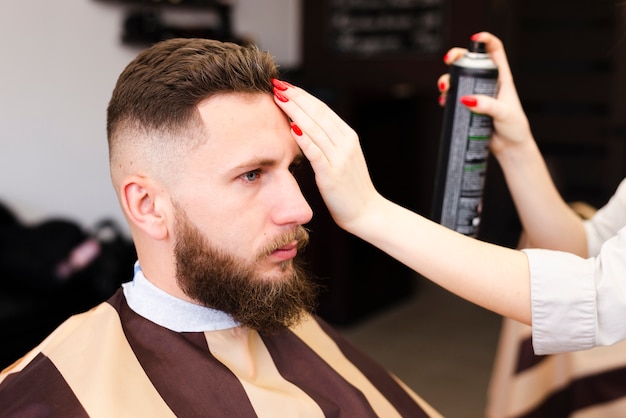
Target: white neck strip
{"points": [[175, 314]]}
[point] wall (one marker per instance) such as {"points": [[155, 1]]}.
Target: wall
{"points": [[59, 63]]}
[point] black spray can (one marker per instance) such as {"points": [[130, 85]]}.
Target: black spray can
{"points": [[463, 151]]}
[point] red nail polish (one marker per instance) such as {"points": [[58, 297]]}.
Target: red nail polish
{"points": [[468, 101], [442, 86], [441, 100], [279, 96], [474, 37], [445, 58], [280, 85], [296, 130]]}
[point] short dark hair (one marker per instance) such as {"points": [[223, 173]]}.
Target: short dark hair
{"points": [[158, 92]]}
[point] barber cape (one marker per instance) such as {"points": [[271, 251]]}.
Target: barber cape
{"points": [[113, 361]]}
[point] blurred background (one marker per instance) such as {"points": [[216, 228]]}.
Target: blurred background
{"points": [[376, 62]]}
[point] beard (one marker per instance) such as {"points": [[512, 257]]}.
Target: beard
{"points": [[218, 280]]}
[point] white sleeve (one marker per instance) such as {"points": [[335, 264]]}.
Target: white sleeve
{"points": [[606, 221], [563, 301], [578, 303]]}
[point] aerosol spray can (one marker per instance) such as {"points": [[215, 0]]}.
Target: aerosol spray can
{"points": [[463, 151]]}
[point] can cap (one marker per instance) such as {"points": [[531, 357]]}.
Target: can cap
{"points": [[478, 47]]}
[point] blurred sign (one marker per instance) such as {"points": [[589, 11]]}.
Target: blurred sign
{"points": [[386, 27]]}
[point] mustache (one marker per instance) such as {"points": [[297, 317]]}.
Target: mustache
{"points": [[299, 233]]}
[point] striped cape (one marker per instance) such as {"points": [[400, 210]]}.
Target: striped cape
{"points": [[111, 362], [579, 384]]}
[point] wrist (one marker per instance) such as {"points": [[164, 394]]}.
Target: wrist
{"points": [[517, 152], [369, 217]]}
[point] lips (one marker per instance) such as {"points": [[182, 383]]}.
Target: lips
{"points": [[286, 252]]}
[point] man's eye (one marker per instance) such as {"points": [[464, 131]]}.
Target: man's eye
{"points": [[252, 175]]}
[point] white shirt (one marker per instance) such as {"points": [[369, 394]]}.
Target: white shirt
{"points": [[581, 303]]}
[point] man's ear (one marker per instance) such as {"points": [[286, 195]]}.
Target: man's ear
{"points": [[145, 205]]}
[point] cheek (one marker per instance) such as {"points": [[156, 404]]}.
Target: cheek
{"points": [[240, 227], [237, 235]]}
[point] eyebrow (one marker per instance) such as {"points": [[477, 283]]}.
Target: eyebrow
{"points": [[267, 162]]}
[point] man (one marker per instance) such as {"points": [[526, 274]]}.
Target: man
{"points": [[217, 319]]}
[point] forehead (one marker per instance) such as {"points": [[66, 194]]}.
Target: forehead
{"points": [[243, 126]]}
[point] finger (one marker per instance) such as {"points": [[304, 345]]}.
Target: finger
{"points": [[311, 117], [310, 137], [311, 151], [442, 100], [453, 54], [322, 125], [485, 105], [495, 48], [318, 147], [443, 83]]}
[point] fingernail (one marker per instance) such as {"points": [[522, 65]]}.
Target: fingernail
{"points": [[442, 86], [445, 58], [279, 96], [280, 85], [474, 37], [441, 100], [296, 129], [468, 101]]}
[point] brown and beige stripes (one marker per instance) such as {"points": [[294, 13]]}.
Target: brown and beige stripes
{"points": [[111, 362]]}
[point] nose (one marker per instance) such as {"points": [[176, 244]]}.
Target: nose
{"points": [[291, 207]]}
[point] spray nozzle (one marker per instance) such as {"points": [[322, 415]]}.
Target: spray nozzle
{"points": [[478, 47]]}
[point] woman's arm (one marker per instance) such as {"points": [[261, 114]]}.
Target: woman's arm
{"points": [[494, 277]]}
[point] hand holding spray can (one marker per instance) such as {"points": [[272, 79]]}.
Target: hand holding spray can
{"points": [[463, 152]]}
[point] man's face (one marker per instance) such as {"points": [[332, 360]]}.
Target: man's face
{"points": [[239, 212]]}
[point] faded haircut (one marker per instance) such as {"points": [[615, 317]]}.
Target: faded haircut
{"points": [[153, 108]]}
